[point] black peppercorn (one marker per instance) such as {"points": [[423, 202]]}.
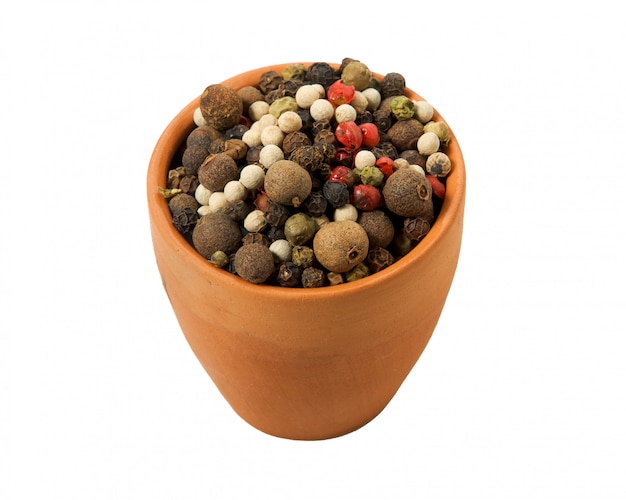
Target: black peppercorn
{"points": [[316, 204], [289, 275], [259, 238], [270, 80], [294, 140], [416, 228], [308, 157], [237, 210], [378, 259], [393, 84], [276, 214], [185, 220], [336, 193], [322, 73], [312, 277]]}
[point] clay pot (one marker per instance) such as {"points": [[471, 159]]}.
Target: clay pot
{"points": [[305, 363]]}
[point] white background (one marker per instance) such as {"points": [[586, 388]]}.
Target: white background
{"points": [[520, 393]]}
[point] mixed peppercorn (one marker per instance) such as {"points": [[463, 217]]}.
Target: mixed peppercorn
{"points": [[315, 176]]}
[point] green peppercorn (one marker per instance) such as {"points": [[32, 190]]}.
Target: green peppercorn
{"points": [[294, 71], [219, 259], [360, 271], [371, 175], [299, 228], [402, 107], [282, 104], [302, 256]]}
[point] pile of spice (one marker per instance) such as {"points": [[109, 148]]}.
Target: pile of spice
{"points": [[315, 176]]}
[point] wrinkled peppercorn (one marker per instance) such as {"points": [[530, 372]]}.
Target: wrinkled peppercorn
{"points": [[316, 204], [336, 193], [289, 275], [294, 140], [416, 228], [393, 84], [276, 214], [185, 220], [312, 277], [270, 80], [322, 73], [308, 157], [378, 259]]}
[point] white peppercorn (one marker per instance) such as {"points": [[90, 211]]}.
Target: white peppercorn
{"points": [[289, 121], [203, 210], [272, 134], [198, 119], [254, 221], [373, 98], [270, 154], [258, 109], [423, 111], [235, 191], [306, 95], [346, 212], [217, 200], [252, 176], [364, 158], [281, 249], [202, 194], [345, 113], [428, 143], [438, 164], [359, 102], [252, 137], [418, 168], [322, 109]]}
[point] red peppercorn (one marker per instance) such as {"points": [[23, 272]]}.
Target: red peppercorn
{"points": [[343, 174], [385, 164], [344, 156], [439, 189], [366, 197], [339, 93], [349, 134], [369, 131]]}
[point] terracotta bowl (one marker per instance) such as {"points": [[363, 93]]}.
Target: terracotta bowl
{"points": [[305, 364]]}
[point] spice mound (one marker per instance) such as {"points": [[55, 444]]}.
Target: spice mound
{"points": [[316, 176]]}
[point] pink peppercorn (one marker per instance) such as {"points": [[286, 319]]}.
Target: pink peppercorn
{"points": [[349, 134], [370, 134], [339, 93], [439, 188], [366, 197]]}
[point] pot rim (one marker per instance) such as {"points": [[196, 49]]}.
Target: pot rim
{"points": [[174, 136]]}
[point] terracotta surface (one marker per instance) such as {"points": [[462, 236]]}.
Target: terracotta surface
{"points": [[305, 363]]}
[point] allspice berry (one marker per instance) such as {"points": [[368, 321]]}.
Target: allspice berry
{"points": [[404, 134], [408, 193], [287, 183], [378, 226], [340, 245], [181, 201], [217, 170], [221, 106], [254, 262], [216, 231]]}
